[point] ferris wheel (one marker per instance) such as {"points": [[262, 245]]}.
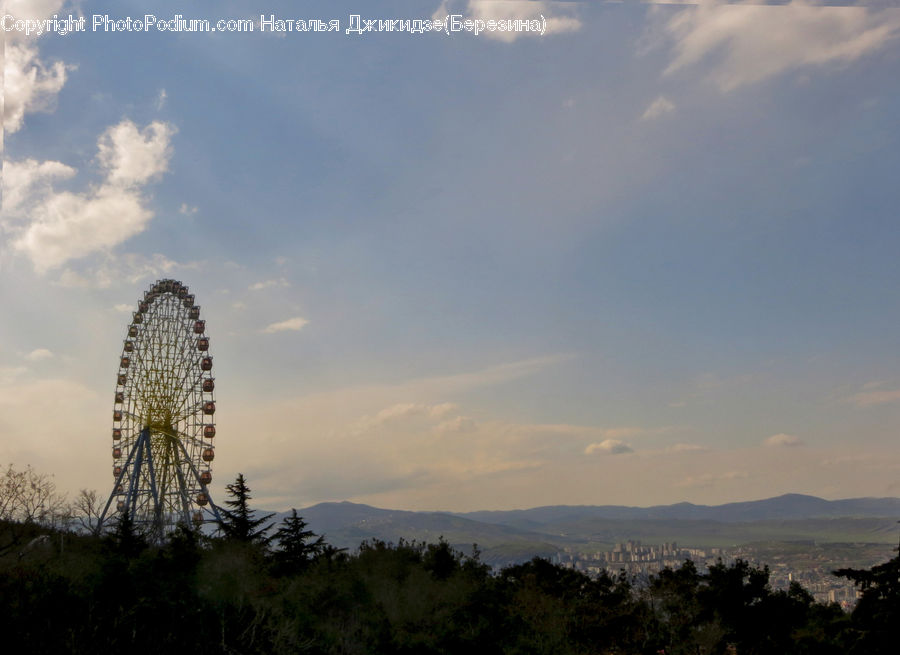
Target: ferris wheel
{"points": [[163, 416]]}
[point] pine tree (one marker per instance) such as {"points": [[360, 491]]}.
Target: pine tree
{"points": [[296, 546], [239, 523], [127, 539]]}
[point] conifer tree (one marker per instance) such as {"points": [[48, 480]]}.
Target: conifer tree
{"points": [[127, 539], [296, 545], [239, 522]]}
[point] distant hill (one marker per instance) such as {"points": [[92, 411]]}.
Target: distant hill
{"points": [[346, 525], [788, 506], [509, 536]]}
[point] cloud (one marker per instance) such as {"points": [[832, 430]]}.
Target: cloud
{"points": [[69, 225], [38, 355], [490, 375], [123, 308], [9, 373], [31, 9], [657, 108], [187, 210], [865, 399], [291, 324], [52, 227], [27, 178], [29, 84], [115, 269], [782, 440], [558, 16], [460, 424], [268, 284], [401, 411], [744, 44], [132, 156], [609, 447], [161, 99]]}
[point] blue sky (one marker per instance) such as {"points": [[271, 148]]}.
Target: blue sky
{"points": [[646, 257]]}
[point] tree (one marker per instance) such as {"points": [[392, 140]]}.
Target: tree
{"points": [[127, 539], [31, 497], [875, 615], [239, 523], [87, 509], [296, 545]]}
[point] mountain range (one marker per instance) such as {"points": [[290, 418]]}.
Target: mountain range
{"points": [[505, 536]]}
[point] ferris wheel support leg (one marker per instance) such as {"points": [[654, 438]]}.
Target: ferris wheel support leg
{"points": [[131, 499], [113, 494], [152, 472], [182, 484], [215, 512], [213, 508]]}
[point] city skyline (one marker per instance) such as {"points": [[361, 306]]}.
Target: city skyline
{"points": [[647, 256]]}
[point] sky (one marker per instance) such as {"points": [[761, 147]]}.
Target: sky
{"points": [[647, 255]]}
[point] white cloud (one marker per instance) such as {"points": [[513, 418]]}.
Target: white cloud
{"points": [[746, 43], [32, 8], [402, 411], [27, 178], [782, 440], [609, 447], [38, 355], [441, 409], [128, 267], [52, 227], [657, 108], [497, 374], [187, 210], [268, 284], [291, 324], [460, 424], [132, 156], [871, 398], [70, 225], [10, 373], [124, 308], [558, 16], [29, 84], [161, 99], [399, 411]]}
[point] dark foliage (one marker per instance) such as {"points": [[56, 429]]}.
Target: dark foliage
{"points": [[296, 546], [83, 594], [239, 523], [876, 618]]}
